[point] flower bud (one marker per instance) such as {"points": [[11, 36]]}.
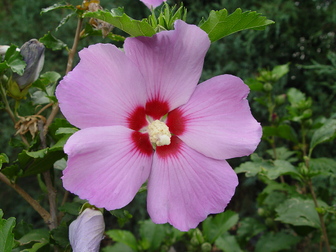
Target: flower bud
{"points": [[86, 232], [268, 87], [206, 247], [33, 54], [280, 99]]}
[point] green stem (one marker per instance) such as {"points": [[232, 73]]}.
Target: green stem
{"points": [[7, 107], [311, 188], [323, 227], [10, 112]]}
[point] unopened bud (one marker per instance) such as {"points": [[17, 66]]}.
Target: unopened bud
{"points": [[206, 247], [33, 54], [86, 232], [280, 99], [268, 87]]}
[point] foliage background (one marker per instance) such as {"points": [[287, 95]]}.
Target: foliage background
{"points": [[303, 35]]}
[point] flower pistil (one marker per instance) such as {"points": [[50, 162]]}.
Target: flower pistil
{"points": [[159, 134]]}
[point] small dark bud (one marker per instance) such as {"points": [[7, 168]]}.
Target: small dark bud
{"points": [[33, 54]]}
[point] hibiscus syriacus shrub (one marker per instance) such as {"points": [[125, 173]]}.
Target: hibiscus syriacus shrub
{"points": [[131, 120]]}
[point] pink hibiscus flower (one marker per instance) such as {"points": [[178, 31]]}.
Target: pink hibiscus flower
{"points": [[142, 117], [152, 3]]}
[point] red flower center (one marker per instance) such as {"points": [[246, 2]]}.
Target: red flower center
{"points": [[156, 110]]}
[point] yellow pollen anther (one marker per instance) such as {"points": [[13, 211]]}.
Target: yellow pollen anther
{"points": [[159, 133]]}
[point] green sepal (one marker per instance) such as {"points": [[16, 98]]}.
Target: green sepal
{"points": [[14, 91], [220, 24]]}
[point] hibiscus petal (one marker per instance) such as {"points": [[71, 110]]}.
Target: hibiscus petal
{"points": [[217, 120], [152, 3], [105, 166], [102, 90], [170, 61], [185, 187]]}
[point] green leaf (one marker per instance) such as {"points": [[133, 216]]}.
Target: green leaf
{"points": [[298, 99], [34, 162], [52, 42], [119, 19], [123, 216], [60, 234], [6, 233], [40, 237], [269, 168], [3, 66], [37, 235], [283, 153], [254, 84], [3, 159], [123, 236], [284, 131], [46, 79], [57, 6], [249, 227], [220, 24], [280, 71], [324, 166], [270, 201], [254, 167], [14, 60], [228, 243], [213, 227], [65, 20], [282, 187], [152, 235], [276, 242], [323, 134], [299, 212], [118, 247], [282, 167]]}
